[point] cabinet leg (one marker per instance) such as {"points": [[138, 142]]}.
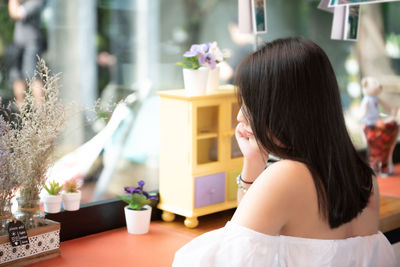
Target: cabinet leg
{"points": [[168, 216], [191, 222]]}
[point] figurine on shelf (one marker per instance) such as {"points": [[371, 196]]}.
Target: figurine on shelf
{"points": [[380, 132]]}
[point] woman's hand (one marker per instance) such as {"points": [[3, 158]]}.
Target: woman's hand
{"points": [[247, 142], [255, 159]]}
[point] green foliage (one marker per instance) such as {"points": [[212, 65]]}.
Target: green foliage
{"points": [[190, 63], [6, 27], [135, 201], [6, 37], [54, 188]]}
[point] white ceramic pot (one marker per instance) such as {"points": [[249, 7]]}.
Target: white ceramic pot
{"points": [[195, 81], [71, 201], [138, 221], [213, 79], [52, 203]]}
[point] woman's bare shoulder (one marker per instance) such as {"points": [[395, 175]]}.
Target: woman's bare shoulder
{"points": [[277, 193], [288, 165], [294, 175]]}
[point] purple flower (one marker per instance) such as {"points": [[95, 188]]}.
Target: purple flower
{"points": [[207, 47], [208, 59], [197, 49], [3, 153], [146, 194], [129, 189], [141, 183], [137, 197], [153, 197], [137, 190]]}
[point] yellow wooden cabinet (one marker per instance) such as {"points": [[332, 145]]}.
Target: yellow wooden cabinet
{"points": [[199, 155]]}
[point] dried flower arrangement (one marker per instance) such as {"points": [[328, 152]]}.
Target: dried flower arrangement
{"points": [[31, 137], [38, 125], [9, 181]]}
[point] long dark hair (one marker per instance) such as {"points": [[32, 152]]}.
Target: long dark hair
{"points": [[290, 96]]}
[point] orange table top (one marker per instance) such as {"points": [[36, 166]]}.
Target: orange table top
{"points": [[157, 248], [118, 248]]}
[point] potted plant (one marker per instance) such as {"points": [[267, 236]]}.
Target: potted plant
{"points": [[71, 196], [138, 210], [200, 70], [52, 200], [38, 125]]}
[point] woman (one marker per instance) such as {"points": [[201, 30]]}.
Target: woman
{"points": [[319, 205], [28, 40]]}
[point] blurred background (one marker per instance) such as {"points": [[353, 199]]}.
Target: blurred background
{"points": [[109, 50]]}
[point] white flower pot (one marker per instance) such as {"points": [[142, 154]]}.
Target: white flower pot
{"points": [[52, 203], [71, 201], [195, 81], [138, 221], [213, 79]]}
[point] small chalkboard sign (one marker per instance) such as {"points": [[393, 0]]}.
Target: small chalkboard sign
{"points": [[17, 233]]}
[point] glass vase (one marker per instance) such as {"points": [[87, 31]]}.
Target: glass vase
{"points": [[29, 213], [381, 139], [5, 216]]}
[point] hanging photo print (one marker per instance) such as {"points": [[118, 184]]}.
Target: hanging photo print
{"points": [[324, 5], [339, 18], [259, 16], [334, 3], [345, 23], [352, 22], [245, 20]]}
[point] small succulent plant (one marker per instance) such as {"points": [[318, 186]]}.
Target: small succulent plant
{"points": [[53, 188], [71, 186]]}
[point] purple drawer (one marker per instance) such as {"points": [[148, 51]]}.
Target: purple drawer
{"points": [[209, 189]]}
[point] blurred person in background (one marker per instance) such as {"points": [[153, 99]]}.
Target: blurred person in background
{"points": [[28, 44]]}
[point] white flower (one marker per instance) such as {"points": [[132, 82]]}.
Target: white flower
{"points": [[216, 52]]}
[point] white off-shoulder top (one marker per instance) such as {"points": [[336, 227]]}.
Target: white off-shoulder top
{"points": [[236, 245]]}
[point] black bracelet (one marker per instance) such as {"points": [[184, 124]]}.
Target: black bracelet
{"points": [[243, 181]]}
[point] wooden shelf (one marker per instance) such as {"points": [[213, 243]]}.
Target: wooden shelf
{"points": [[206, 136], [223, 91], [199, 138]]}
